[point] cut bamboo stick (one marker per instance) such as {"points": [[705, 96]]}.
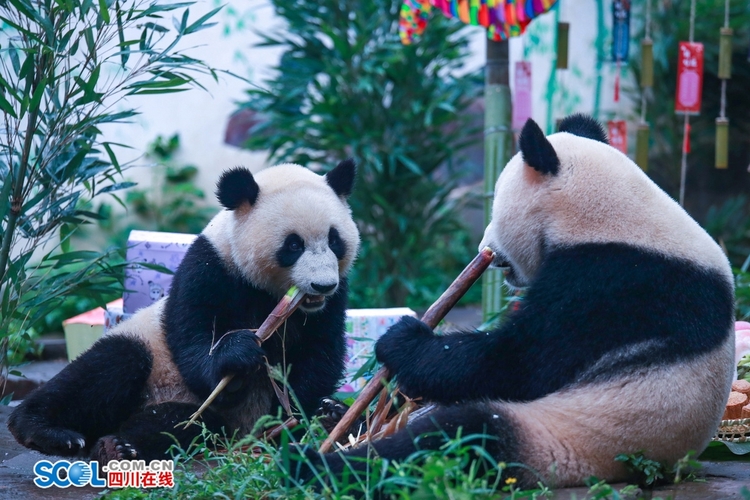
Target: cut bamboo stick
{"points": [[286, 306], [431, 318]]}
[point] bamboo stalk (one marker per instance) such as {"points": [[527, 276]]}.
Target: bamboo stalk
{"points": [[286, 306], [431, 318]]}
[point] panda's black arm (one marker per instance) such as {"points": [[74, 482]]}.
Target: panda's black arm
{"points": [[461, 366], [317, 362], [205, 302]]}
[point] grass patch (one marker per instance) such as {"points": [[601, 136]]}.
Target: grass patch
{"points": [[263, 473]]}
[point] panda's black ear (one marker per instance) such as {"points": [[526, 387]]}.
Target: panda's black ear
{"points": [[341, 178], [536, 150], [235, 187], [583, 126]]}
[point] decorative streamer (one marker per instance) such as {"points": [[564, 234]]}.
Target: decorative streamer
{"points": [[689, 78], [688, 96], [620, 30], [502, 18], [618, 129], [618, 135], [521, 94]]}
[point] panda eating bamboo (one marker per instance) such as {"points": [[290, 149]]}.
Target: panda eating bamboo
{"points": [[284, 226], [623, 342]]}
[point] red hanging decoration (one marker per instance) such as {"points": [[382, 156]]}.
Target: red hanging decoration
{"points": [[686, 139], [689, 78], [521, 94]]}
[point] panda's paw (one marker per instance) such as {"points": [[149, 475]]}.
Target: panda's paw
{"points": [[238, 353], [331, 412], [55, 441], [403, 343], [113, 448]]}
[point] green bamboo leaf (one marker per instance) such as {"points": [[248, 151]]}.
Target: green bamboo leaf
{"points": [[32, 202], [112, 156], [88, 36], [65, 233], [13, 54], [124, 48], [104, 11], [200, 23], [158, 91], [116, 187], [5, 199], [6, 106]]}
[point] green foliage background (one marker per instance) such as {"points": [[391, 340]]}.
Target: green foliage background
{"points": [[346, 87], [65, 68]]}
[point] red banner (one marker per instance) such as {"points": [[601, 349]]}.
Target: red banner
{"points": [[521, 94], [689, 78], [618, 135]]}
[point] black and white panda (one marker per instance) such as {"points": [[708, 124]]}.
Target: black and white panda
{"points": [[623, 342], [284, 226]]}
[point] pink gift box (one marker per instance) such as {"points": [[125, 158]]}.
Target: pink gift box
{"points": [[146, 286]]}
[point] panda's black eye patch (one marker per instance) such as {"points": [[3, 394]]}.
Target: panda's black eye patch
{"points": [[336, 244], [291, 250]]}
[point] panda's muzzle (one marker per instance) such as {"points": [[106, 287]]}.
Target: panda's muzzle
{"points": [[313, 302], [323, 289], [500, 261]]}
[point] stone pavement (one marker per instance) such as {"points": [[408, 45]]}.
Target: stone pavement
{"points": [[720, 480]]}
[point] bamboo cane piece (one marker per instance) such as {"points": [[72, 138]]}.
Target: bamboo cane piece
{"points": [[286, 306], [431, 318]]}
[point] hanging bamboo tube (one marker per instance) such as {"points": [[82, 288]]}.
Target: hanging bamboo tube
{"points": [[563, 30], [641, 145], [647, 63], [431, 318], [722, 143], [725, 53], [725, 73]]}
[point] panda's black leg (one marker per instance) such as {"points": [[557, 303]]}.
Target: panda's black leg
{"points": [[149, 434], [89, 398], [477, 425]]}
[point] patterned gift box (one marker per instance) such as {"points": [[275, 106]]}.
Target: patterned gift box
{"points": [[363, 328], [146, 286], [83, 330]]}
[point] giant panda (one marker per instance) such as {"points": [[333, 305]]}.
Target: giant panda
{"points": [[623, 342], [284, 226]]}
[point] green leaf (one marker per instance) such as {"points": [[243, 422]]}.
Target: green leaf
{"points": [[116, 187], [158, 91], [200, 23], [6, 106], [5, 199], [65, 233], [104, 11]]}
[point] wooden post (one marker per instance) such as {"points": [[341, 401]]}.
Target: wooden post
{"points": [[498, 139]]}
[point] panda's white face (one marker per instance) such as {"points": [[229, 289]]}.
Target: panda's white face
{"points": [[297, 231], [566, 189]]}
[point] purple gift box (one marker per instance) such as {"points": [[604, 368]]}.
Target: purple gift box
{"points": [[146, 286]]}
